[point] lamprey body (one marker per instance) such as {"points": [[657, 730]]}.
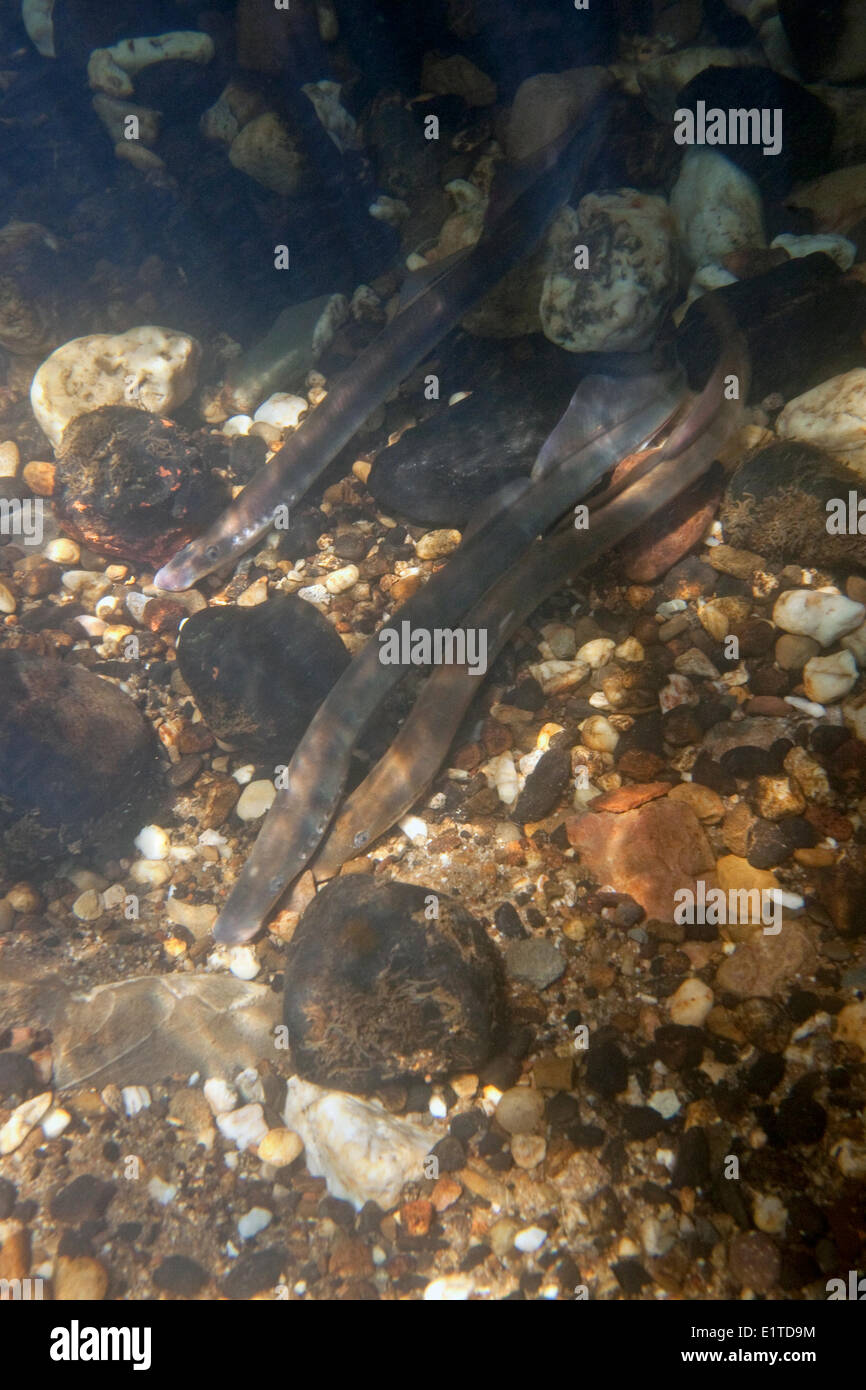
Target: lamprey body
{"points": [[668, 430], [516, 219]]}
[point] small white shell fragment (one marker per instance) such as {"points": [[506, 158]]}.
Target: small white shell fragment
{"points": [[449, 1288], [243, 963], [153, 842], [414, 828], [220, 1095], [691, 1003], [502, 774], [666, 1103], [135, 1099]]}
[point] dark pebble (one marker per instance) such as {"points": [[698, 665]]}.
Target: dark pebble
{"points": [[679, 1046], [641, 1121], [77, 760], [765, 1074], [710, 774], [254, 1273], [507, 921], [586, 1136], [377, 991], [502, 1072], [476, 1256], [765, 1024], [544, 786], [753, 1261], [17, 1076], [8, 1197], [84, 1199], [800, 1120], [451, 1154], [180, 1275], [465, 1126], [631, 1276], [745, 762], [692, 1163], [606, 1069], [259, 674], [134, 486], [562, 1110]]}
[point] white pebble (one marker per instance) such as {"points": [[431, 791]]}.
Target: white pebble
{"points": [[531, 1238], [596, 653], [314, 593], [415, 829], [448, 1288], [55, 1122], [666, 1103], [243, 963], [253, 1221], [338, 581], [8, 601], [10, 459], [810, 613], [150, 873], [152, 842], [599, 734], [23, 1118], [162, 1192], [245, 1127], [237, 424], [691, 1003], [63, 551], [220, 1095], [828, 678], [135, 1099], [437, 1107], [255, 799], [805, 706], [281, 409]]}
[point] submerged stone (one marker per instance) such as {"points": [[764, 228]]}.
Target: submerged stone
{"points": [[379, 988], [76, 759], [259, 674]]}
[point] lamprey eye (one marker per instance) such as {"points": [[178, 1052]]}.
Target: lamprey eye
{"points": [[212, 554]]}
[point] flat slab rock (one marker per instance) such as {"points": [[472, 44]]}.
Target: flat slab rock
{"points": [[648, 853], [388, 980]]}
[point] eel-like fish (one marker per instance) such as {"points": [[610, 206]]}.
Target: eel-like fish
{"points": [[518, 213], [302, 812], [411, 763]]}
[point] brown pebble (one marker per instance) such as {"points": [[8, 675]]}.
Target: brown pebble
{"points": [[753, 1261], [445, 1193], [217, 799], [164, 614], [350, 1259], [39, 477], [416, 1217], [495, 737], [829, 822], [14, 1250], [640, 765], [79, 1278], [629, 798], [770, 705]]}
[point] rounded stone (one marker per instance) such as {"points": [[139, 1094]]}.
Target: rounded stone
{"points": [[385, 981], [521, 1110], [259, 675]]}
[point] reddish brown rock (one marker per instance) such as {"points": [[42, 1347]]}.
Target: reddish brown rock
{"points": [[623, 799], [767, 706], [650, 555], [640, 764], [829, 822], [649, 853], [759, 967]]}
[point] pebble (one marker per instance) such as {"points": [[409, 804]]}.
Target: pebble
{"points": [[135, 1099], [753, 1261], [255, 799], [823, 617], [776, 797], [24, 898], [528, 1150], [196, 917], [244, 1127], [691, 1003], [55, 1122], [530, 1239], [220, 1095], [520, 1110], [10, 459], [534, 962], [253, 1221], [363, 1153], [79, 1279], [598, 733], [24, 1118], [150, 873], [280, 1147], [827, 679], [851, 1025], [707, 805], [8, 601], [793, 651], [357, 957], [338, 581], [760, 966], [180, 1275], [86, 1198], [434, 545], [153, 842], [161, 1192], [88, 906]]}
